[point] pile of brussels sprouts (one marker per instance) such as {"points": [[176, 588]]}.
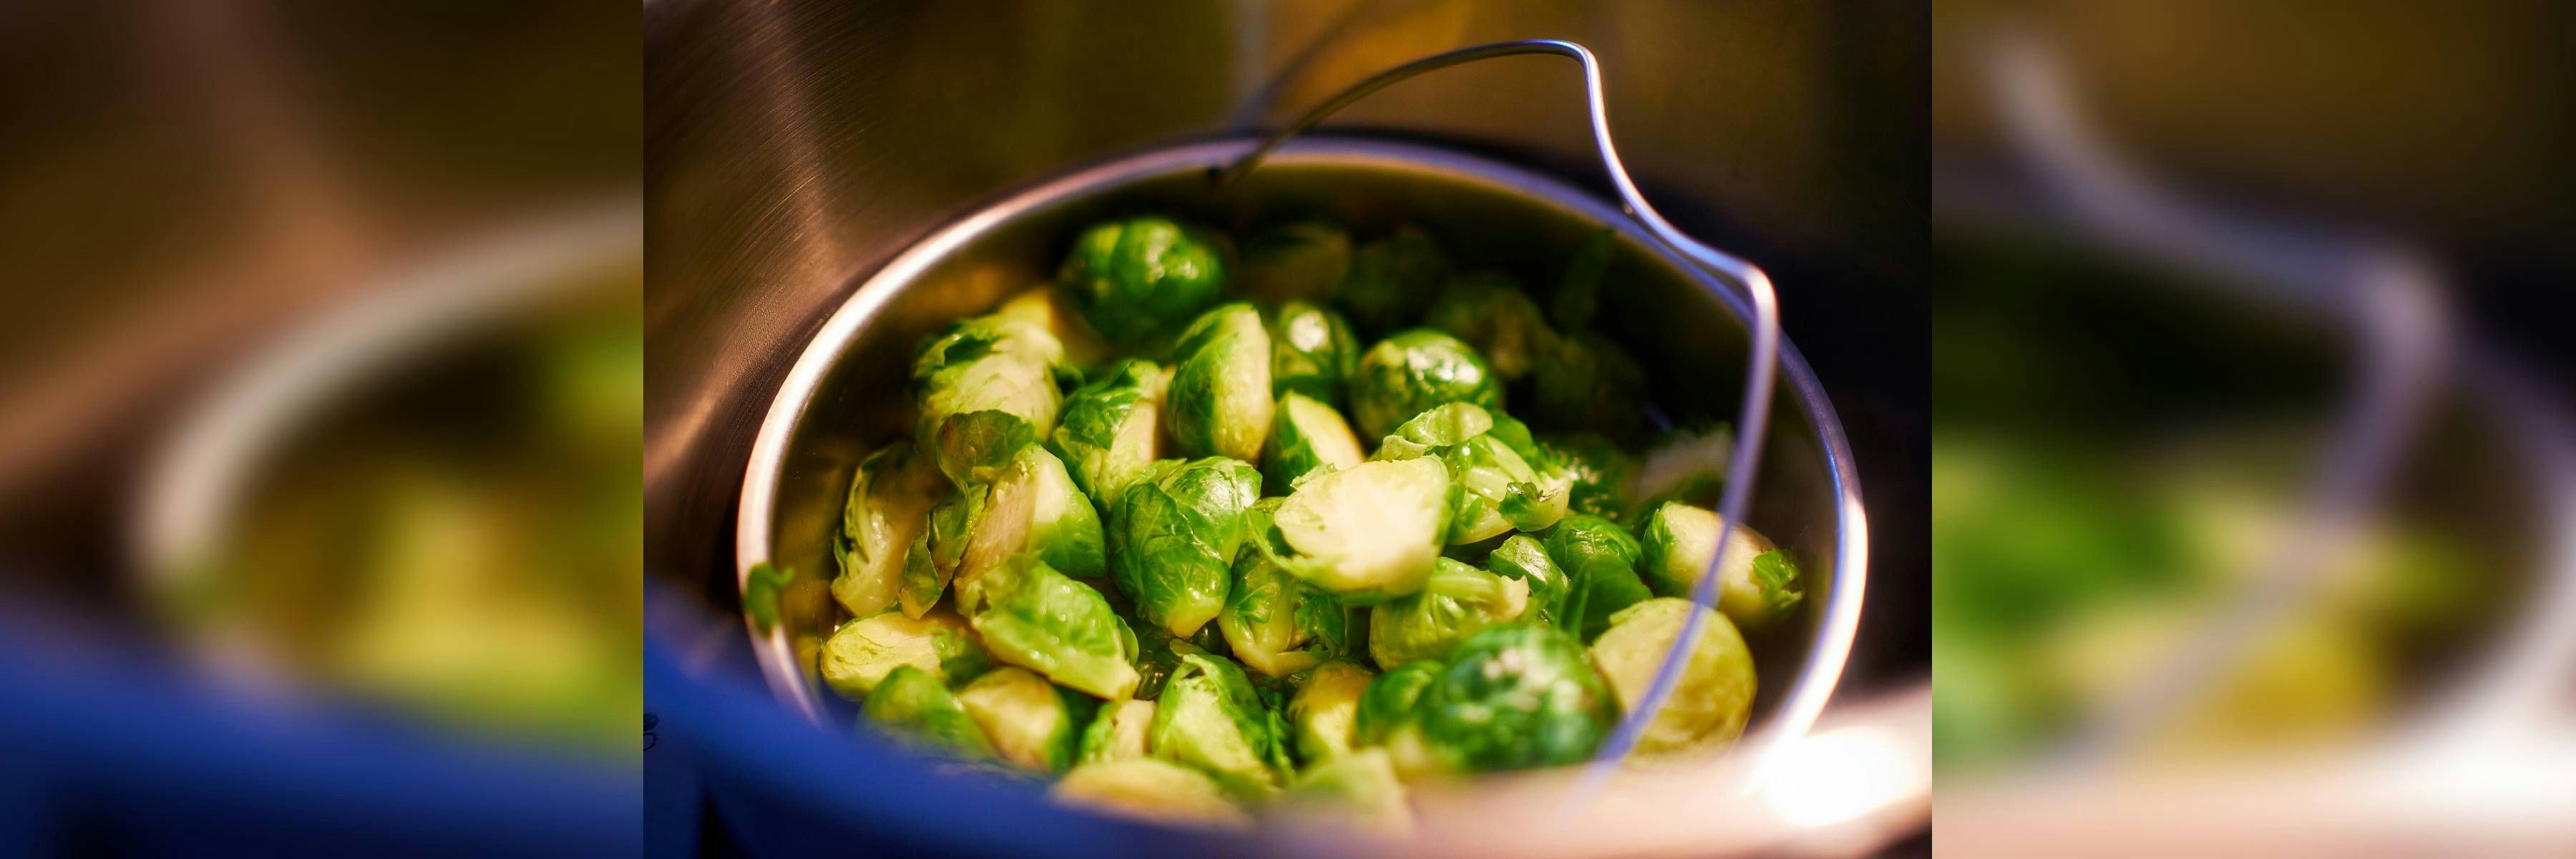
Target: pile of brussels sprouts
{"points": [[1138, 544]]}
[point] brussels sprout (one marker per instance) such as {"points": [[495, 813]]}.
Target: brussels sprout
{"points": [[1601, 471], [1391, 280], [1359, 789], [1028, 720], [1369, 533], [1756, 584], [1298, 260], [1325, 711], [1031, 507], [1219, 402], [1111, 430], [1709, 705], [1600, 559], [1312, 352], [939, 550], [1306, 436], [1552, 598], [1173, 539], [1687, 465], [1498, 489], [997, 382], [1116, 733], [888, 507], [1457, 601], [1274, 622], [1160, 654], [1045, 308], [1388, 702], [965, 341], [1209, 717], [1435, 430], [1036, 618], [1515, 696], [858, 655], [1412, 371], [913, 705], [1578, 296], [1152, 790], [1586, 382], [1140, 278], [1491, 313]]}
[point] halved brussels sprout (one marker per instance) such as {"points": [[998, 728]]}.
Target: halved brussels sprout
{"points": [[1174, 535], [859, 654], [995, 378], [1311, 352], [1116, 732], [1498, 488], [1552, 598], [1412, 371], [1392, 279], [1111, 429], [1045, 307], [1388, 702], [1307, 435], [1029, 721], [1756, 584], [1139, 278], [1453, 604], [1515, 696], [1602, 472], [1211, 718], [1019, 335], [1359, 789], [1709, 705], [1160, 654], [1275, 622], [1036, 618], [912, 705], [1369, 533], [939, 550], [1297, 260], [1686, 465], [1219, 403], [888, 507], [1032, 506], [1586, 382], [1601, 559], [1152, 790], [1325, 711], [1491, 313]]}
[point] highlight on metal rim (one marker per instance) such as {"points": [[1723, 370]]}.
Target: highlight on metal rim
{"points": [[1752, 414]]}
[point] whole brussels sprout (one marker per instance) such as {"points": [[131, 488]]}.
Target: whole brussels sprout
{"points": [[1578, 296], [1030, 722], [1368, 533], [1324, 713], [1756, 584], [1276, 623], [1307, 435], [1498, 489], [1219, 402], [1491, 313], [1457, 601], [1552, 598], [1297, 260], [1601, 471], [1111, 429], [1140, 278], [888, 507], [1601, 559], [1211, 718], [1515, 696], [1586, 382], [1388, 702], [1116, 732], [1414, 370], [1392, 279], [1312, 352], [1359, 789], [1036, 618], [1173, 539], [1709, 705], [1151, 790], [1017, 335], [1046, 308], [912, 705], [1031, 507], [859, 654]]}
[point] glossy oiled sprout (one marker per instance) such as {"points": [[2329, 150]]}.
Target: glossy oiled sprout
{"points": [[1324, 713], [1601, 558], [1454, 603], [1111, 429], [1387, 703], [1312, 352], [1301, 260], [1143, 278], [1029, 722], [1514, 696], [1413, 371], [987, 385], [1274, 622], [1031, 507], [1306, 436], [1716, 692], [860, 653], [1602, 472], [1490, 312], [1036, 618], [1219, 401], [1367, 534], [1496, 488], [1210, 718], [1757, 584], [1174, 535], [916, 707], [1552, 598], [888, 507]]}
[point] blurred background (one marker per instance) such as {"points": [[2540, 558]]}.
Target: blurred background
{"points": [[2252, 492], [319, 427]]}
